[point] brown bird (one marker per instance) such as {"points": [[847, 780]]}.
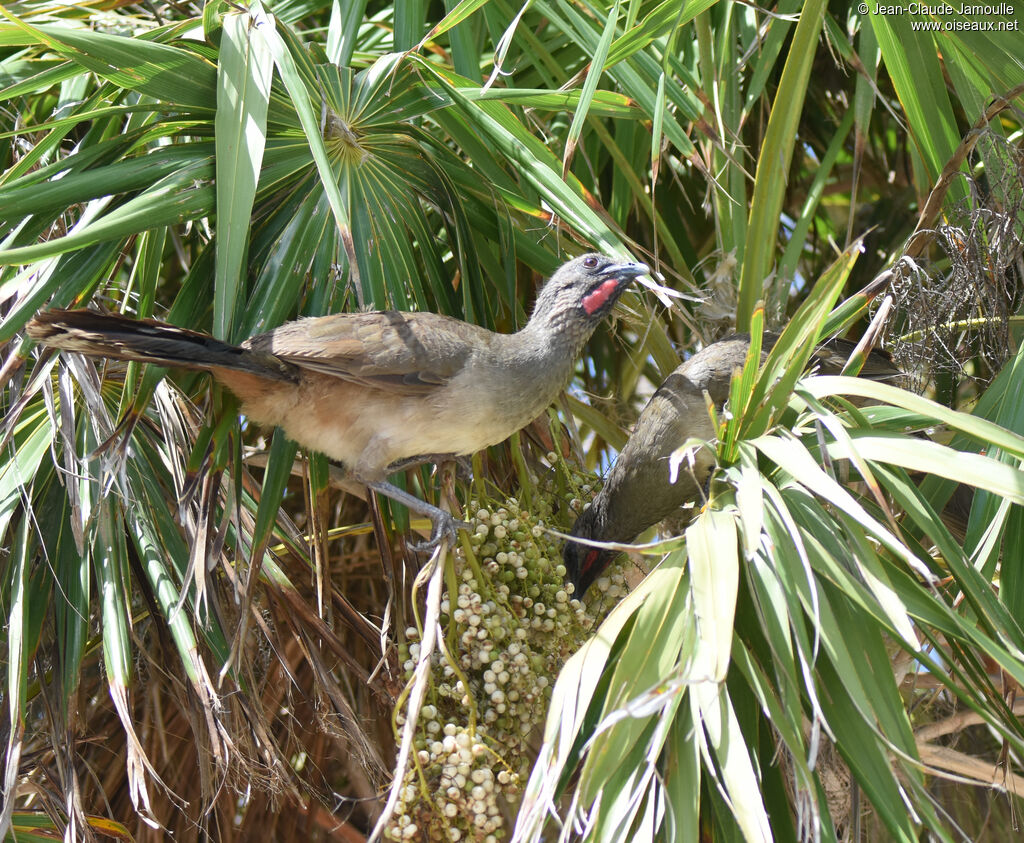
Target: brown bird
{"points": [[637, 492], [381, 391]]}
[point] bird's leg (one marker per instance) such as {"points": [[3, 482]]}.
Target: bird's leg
{"points": [[444, 524], [462, 464]]}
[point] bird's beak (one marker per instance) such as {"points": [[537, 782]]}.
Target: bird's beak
{"points": [[625, 271], [614, 277]]}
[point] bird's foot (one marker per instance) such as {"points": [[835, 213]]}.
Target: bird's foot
{"points": [[444, 525], [445, 528]]}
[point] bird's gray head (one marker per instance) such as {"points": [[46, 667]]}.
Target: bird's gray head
{"points": [[584, 563], [582, 292]]}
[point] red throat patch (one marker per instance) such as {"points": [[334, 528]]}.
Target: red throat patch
{"points": [[596, 300]]}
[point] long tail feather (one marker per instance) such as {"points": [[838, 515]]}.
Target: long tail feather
{"points": [[149, 341]]}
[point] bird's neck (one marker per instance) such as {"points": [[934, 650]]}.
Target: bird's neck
{"points": [[616, 518], [602, 526], [553, 336]]}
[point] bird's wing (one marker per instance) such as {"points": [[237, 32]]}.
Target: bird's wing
{"points": [[831, 356], [409, 353], [712, 367]]}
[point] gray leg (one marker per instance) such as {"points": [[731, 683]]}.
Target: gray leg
{"points": [[462, 464], [444, 525]]}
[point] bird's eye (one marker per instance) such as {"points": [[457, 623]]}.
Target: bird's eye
{"points": [[590, 262]]}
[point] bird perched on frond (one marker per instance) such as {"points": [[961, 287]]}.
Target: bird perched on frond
{"points": [[386, 390], [638, 491]]}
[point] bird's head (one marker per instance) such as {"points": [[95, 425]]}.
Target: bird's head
{"points": [[583, 291], [584, 563]]}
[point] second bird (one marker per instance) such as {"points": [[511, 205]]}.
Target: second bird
{"points": [[637, 492]]}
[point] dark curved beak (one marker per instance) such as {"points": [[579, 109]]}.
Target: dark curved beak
{"points": [[625, 271]]}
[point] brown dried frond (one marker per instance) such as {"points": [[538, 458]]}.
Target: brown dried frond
{"points": [[956, 304]]}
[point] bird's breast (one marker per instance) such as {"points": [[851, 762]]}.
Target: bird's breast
{"points": [[367, 428]]}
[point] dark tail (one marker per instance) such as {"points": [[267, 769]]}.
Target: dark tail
{"points": [[149, 341]]}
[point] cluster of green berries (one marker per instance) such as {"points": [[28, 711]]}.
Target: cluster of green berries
{"points": [[509, 627]]}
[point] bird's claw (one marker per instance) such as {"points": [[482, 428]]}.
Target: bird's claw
{"points": [[445, 527]]}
